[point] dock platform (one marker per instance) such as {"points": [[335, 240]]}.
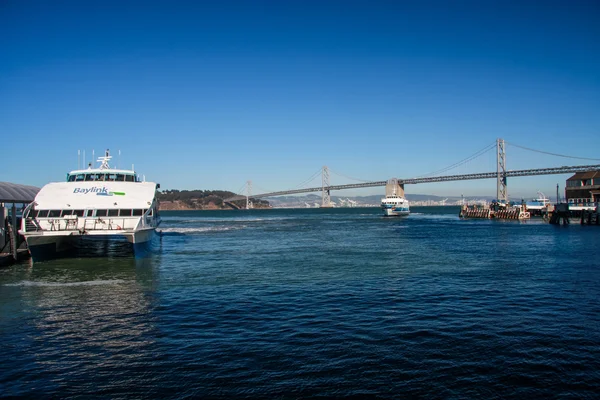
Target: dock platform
{"points": [[481, 212]]}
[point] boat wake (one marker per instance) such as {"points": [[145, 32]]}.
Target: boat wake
{"points": [[192, 231], [66, 284], [195, 220]]}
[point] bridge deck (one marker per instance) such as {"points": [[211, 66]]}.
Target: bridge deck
{"points": [[446, 178]]}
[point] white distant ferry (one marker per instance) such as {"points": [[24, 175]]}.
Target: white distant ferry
{"points": [[394, 204], [539, 206], [96, 210]]}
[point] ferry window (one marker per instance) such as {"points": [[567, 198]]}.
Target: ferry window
{"points": [[137, 212], [79, 177], [67, 212], [89, 213], [125, 213], [42, 214], [54, 213], [71, 178], [101, 213], [32, 213], [145, 211], [120, 177], [89, 177], [129, 178], [111, 177], [113, 213], [79, 213]]}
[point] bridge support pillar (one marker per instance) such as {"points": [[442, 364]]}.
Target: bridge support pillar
{"points": [[325, 193], [248, 194], [501, 188], [393, 188]]}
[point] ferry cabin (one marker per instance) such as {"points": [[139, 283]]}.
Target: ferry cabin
{"points": [[84, 203], [113, 176]]}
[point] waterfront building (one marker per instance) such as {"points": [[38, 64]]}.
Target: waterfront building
{"points": [[583, 187]]}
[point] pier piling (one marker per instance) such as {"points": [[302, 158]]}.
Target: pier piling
{"points": [[560, 214]]}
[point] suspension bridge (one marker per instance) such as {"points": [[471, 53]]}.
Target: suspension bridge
{"points": [[501, 175]]}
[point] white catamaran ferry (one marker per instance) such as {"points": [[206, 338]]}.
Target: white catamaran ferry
{"points": [[394, 203], [97, 210], [539, 206]]}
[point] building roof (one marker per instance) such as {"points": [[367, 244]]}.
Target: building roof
{"points": [[15, 193], [585, 175]]}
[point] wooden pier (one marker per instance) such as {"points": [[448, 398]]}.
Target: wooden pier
{"points": [[504, 213], [12, 246], [589, 217], [563, 215], [560, 215]]}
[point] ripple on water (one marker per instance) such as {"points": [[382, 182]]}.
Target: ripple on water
{"points": [[298, 303]]}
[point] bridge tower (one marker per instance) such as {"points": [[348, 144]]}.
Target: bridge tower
{"points": [[501, 189], [248, 194], [325, 196], [393, 188]]}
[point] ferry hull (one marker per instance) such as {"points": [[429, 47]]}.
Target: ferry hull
{"points": [[389, 212], [139, 244], [394, 205]]}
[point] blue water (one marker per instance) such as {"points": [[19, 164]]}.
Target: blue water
{"points": [[302, 303]]}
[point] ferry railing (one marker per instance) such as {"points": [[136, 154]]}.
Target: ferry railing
{"points": [[31, 225], [74, 223], [108, 224], [146, 221]]}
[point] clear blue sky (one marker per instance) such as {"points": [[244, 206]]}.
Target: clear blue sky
{"points": [[210, 94]]}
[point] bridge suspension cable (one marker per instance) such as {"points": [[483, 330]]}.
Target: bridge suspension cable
{"points": [[461, 162], [349, 177], [242, 189], [552, 154], [313, 176], [260, 188]]}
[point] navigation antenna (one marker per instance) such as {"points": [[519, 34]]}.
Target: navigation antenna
{"points": [[104, 160]]}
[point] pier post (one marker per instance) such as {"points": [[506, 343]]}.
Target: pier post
{"points": [[2, 225], [15, 231]]}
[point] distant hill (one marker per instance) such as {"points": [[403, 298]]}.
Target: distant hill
{"points": [[313, 200], [213, 200], [202, 200]]}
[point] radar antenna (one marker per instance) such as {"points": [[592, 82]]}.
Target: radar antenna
{"points": [[104, 160]]}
